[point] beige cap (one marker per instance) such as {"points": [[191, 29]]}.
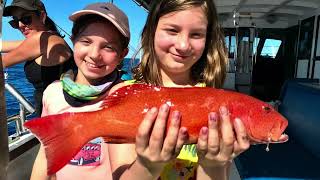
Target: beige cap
{"points": [[109, 11]]}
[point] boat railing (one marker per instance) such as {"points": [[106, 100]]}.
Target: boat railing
{"points": [[25, 109]]}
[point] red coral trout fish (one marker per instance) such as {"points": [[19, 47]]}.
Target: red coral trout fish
{"points": [[124, 109]]}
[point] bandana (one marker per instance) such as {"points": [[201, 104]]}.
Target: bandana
{"points": [[85, 92]]}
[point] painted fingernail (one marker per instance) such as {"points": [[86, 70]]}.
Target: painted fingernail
{"points": [[184, 131], [153, 110], [204, 130], [165, 107], [176, 116], [223, 110], [213, 117], [237, 121]]}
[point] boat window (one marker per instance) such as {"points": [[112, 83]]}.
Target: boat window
{"points": [[232, 45], [226, 40], [270, 48], [245, 39], [255, 45]]}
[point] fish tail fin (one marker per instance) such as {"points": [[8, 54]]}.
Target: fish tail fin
{"points": [[62, 137]]}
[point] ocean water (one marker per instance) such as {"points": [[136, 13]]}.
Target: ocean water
{"points": [[16, 77]]}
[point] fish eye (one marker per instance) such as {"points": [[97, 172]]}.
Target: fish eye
{"points": [[266, 108]]}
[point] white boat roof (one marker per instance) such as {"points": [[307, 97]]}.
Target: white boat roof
{"points": [[262, 13]]}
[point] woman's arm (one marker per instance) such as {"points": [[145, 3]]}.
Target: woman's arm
{"points": [[51, 48], [8, 46], [29, 49]]}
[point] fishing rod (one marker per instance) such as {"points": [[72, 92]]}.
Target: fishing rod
{"points": [[4, 148], [61, 29]]}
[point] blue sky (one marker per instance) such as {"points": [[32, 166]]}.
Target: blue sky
{"points": [[59, 11]]}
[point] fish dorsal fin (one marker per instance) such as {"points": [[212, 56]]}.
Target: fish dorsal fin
{"points": [[123, 92]]}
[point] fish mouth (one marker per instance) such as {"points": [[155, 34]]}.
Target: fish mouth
{"points": [[282, 139]]}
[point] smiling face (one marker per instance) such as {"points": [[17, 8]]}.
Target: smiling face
{"points": [[97, 52], [28, 29], [180, 40]]}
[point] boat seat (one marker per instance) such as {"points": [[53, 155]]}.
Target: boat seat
{"points": [[297, 159]]}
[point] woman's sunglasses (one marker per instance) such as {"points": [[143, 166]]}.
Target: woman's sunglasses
{"points": [[26, 20]]}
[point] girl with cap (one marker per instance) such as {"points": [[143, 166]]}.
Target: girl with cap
{"points": [[100, 36], [180, 53], [44, 51]]}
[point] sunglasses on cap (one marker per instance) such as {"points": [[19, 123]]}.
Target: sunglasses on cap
{"points": [[26, 20]]}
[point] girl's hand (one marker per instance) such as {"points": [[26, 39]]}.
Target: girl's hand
{"points": [[154, 148], [215, 149]]}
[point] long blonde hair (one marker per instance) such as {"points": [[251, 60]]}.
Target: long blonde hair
{"points": [[209, 69]]}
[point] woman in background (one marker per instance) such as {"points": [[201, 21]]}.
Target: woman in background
{"points": [[44, 51]]}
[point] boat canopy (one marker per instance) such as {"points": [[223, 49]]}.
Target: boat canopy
{"points": [[268, 13]]}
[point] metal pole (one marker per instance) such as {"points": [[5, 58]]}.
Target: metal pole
{"points": [[21, 99], [236, 24], [22, 119], [4, 148]]}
